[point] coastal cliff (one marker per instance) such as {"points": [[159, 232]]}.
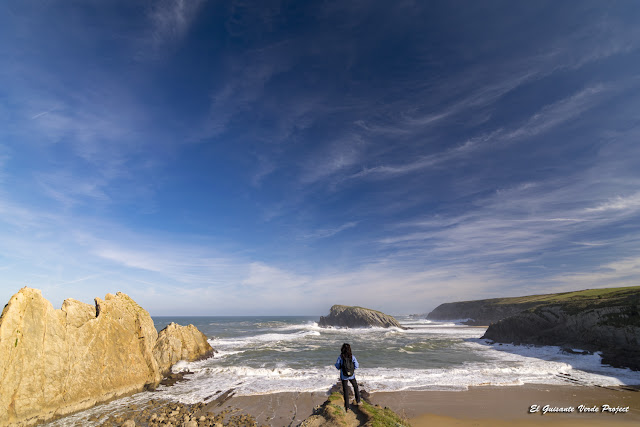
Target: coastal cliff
{"points": [[487, 311], [357, 317], [58, 361], [605, 320]]}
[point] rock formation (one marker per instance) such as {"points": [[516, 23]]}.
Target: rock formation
{"points": [[54, 362], [331, 413], [608, 322], [357, 317], [176, 343], [485, 312]]}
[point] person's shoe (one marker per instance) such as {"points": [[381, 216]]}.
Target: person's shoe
{"points": [[346, 409]]}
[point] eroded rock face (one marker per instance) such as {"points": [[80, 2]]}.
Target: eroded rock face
{"points": [[177, 342], [613, 330], [57, 361], [357, 317], [477, 313]]}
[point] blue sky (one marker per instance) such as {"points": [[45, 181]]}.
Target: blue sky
{"points": [[267, 157]]}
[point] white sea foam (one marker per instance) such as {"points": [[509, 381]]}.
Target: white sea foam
{"points": [[429, 323], [505, 365], [313, 326], [261, 338], [397, 360], [510, 370]]}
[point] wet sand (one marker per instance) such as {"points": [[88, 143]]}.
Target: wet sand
{"points": [[478, 406], [502, 406], [276, 409]]}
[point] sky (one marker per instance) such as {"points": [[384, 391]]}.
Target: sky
{"points": [[279, 157]]}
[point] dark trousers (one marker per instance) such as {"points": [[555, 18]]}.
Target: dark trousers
{"points": [[345, 391]]}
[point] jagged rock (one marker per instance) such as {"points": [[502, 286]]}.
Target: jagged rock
{"points": [[177, 342], [357, 317], [331, 413], [609, 323], [57, 361]]}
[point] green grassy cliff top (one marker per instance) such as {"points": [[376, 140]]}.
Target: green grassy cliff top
{"points": [[605, 294]]}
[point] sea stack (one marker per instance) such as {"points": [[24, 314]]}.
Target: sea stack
{"points": [[177, 343], [357, 317], [58, 361]]}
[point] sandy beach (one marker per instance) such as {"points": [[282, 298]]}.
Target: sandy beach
{"points": [[478, 406]]}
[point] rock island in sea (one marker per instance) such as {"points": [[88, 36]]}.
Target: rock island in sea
{"points": [[58, 361], [357, 317]]}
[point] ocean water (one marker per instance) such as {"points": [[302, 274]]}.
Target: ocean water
{"points": [[259, 355]]}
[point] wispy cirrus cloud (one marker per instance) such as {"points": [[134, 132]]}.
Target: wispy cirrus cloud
{"points": [[332, 158], [69, 190], [170, 20], [328, 232], [624, 204], [246, 77], [546, 119], [559, 112], [622, 272], [535, 222]]}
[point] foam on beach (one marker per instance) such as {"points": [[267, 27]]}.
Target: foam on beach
{"points": [[272, 356], [495, 365]]}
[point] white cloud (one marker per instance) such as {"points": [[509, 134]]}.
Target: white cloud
{"points": [[70, 190], [558, 113], [247, 76], [190, 265], [337, 156], [528, 221], [629, 204], [623, 272], [546, 119], [171, 20], [328, 232]]}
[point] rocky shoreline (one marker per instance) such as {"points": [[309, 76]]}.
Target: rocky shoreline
{"points": [[613, 330], [56, 362], [605, 320], [167, 414], [216, 414]]}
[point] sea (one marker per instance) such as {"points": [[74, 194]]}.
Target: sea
{"points": [[261, 355]]}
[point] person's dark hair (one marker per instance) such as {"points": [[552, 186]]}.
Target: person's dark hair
{"points": [[345, 351]]}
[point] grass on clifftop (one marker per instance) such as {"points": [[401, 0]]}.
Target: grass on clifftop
{"points": [[382, 417], [335, 409], [376, 416], [605, 294]]}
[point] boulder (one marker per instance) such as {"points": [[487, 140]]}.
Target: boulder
{"points": [[357, 317], [177, 342], [57, 361]]}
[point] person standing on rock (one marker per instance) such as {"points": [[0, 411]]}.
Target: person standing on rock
{"points": [[347, 364]]}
